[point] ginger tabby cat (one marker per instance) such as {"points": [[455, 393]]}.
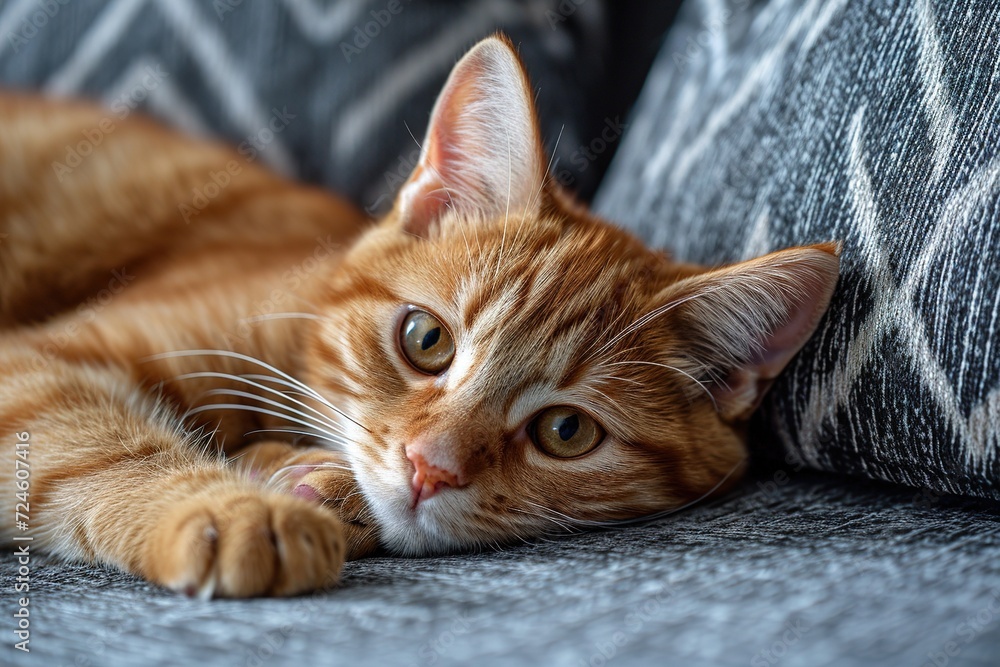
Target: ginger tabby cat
{"points": [[234, 402]]}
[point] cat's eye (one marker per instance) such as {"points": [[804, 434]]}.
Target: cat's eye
{"points": [[566, 432], [426, 343]]}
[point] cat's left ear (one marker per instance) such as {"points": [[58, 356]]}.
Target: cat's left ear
{"points": [[483, 152], [737, 327]]}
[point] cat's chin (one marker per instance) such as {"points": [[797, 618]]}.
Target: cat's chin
{"points": [[420, 535], [433, 527]]}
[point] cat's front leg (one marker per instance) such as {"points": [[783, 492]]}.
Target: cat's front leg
{"points": [[114, 480], [318, 475]]}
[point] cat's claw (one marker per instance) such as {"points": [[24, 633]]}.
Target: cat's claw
{"points": [[246, 544], [307, 492], [319, 476]]}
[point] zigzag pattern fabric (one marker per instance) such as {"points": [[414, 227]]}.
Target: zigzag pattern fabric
{"points": [[327, 91], [783, 123]]}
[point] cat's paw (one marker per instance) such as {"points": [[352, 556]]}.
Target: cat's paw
{"points": [[320, 476], [283, 466], [246, 544]]}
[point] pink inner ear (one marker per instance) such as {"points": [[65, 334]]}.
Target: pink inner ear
{"points": [[792, 287], [786, 341], [744, 388], [423, 201], [482, 150], [739, 394]]}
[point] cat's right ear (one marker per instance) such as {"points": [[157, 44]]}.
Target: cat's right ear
{"points": [[737, 327], [482, 154]]}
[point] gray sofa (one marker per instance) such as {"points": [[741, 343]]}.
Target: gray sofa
{"points": [[746, 102], [812, 572]]}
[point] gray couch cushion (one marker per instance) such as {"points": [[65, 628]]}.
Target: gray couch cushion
{"points": [[790, 570], [357, 78], [778, 123]]}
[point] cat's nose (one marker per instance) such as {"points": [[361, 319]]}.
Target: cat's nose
{"points": [[432, 472]]}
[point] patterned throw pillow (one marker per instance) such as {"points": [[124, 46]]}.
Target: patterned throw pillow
{"points": [[329, 91], [878, 123]]}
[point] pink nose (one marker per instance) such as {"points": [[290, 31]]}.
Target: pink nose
{"points": [[428, 479]]}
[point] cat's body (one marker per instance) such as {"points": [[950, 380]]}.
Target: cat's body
{"points": [[437, 347]]}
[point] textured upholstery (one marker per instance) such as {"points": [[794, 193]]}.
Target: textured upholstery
{"points": [[790, 569], [784, 123], [796, 570], [358, 78]]}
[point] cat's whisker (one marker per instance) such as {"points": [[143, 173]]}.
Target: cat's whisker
{"points": [[281, 316], [650, 316], [279, 476], [621, 379], [293, 390], [701, 385], [256, 409], [548, 168], [556, 521], [348, 496], [267, 401], [575, 522], [302, 299], [612, 402], [590, 348], [247, 380], [311, 434], [616, 523], [253, 360], [289, 392]]}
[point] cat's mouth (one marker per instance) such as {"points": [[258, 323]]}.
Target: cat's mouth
{"points": [[410, 523], [429, 480]]}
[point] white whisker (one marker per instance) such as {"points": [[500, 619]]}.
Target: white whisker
{"points": [[701, 385], [257, 409], [648, 317], [246, 380], [282, 316], [280, 474], [541, 186], [568, 529], [292, 431], [243, 357], [659, 515], [267, 401]]}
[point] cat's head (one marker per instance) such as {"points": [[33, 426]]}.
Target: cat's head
{"points": [[516, 365]]}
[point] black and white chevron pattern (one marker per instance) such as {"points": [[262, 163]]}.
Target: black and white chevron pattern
{"points": [[359, 77], [785, 122]]}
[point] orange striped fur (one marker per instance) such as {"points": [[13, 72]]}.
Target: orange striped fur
{"points": [[200, 470]]}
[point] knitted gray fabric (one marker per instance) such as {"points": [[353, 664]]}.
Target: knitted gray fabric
{"points": [[784, 123], [357, 77], [792, 570]]}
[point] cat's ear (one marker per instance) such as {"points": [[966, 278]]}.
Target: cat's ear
{"points": [[740, 325], [483, 151]]}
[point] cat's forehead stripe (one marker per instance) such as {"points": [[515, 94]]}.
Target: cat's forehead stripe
{"points": [[530, 337], [515, 289]]}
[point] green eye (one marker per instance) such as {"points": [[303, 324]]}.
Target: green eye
{"points": [[426, 343], [566, 432]]}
